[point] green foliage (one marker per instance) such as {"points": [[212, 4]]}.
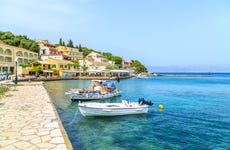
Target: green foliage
{"points": [[109, 56], [79, 47], [60, 41], [86, 51], [84, 67], [139, 67], [28, 64], [75, 64], [70, 43], [116, 59], [19, 41], [37, 69], [25, 65], [3, 90], [112, 67], [55, 71]]}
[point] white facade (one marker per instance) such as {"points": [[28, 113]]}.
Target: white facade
{"points": [[96, 67], [97, 57], [111, 63], [93, 65], [55, 56]]}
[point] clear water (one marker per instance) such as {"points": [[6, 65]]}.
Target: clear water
{"points": [[196, 115]]}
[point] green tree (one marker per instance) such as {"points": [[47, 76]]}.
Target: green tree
{"points": [[84, 67], [70, 43], [25, 65], [139, 67], [75, 64], [109, 56], [79, 47], [25, 44], [117, 60], [86, 51], [6, 35], [55, 71], [19, 41], [60, 42], [37, 69], [34, 47]]}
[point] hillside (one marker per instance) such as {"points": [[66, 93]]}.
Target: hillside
{"points": [[21, 41]]}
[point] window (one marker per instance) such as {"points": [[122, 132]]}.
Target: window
{"points": [[53, 66]]}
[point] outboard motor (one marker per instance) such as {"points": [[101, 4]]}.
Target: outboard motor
{"points": [[142, 101]]}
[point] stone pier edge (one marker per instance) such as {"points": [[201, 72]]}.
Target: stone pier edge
{"points": [[65, 135]]}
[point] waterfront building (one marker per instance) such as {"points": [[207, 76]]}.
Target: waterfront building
{"points": [[61, 67], [10, 54]]}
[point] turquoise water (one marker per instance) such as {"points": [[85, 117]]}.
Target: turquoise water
{"points": [[196, 115]]}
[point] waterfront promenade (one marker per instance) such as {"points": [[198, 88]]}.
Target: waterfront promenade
{"points": [[28, 120]]}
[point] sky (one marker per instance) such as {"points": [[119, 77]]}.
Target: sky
{"points": [[159, 33]]}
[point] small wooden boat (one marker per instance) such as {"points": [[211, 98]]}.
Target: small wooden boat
{"points": [[114, 109]]}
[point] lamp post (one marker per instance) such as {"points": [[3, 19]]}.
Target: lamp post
{"points": [[16, 70]]}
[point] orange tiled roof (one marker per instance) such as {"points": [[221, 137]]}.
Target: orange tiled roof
{"points": [[66, 56], [53, 49]]}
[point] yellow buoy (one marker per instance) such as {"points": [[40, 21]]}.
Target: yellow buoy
{"points": [[115, 95], [161, 106]]}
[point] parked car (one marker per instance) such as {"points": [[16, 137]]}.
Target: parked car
{"points": [[3, 76]]}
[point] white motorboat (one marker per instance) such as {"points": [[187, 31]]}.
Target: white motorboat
{"points": [[114, 109], [99, 90]]}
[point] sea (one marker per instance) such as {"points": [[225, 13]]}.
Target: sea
{"points": [[196, 114]]}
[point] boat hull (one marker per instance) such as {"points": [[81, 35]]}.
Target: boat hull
{"points": [[91, 96], [112, 111]]}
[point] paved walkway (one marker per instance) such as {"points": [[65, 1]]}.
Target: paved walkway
{"points": [[28, 120]]}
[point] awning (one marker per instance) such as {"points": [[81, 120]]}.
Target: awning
{"points": [[47, 71]]}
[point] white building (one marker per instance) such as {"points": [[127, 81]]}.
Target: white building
{"points": [[48, 50], [53, 56], [96, 57]]}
